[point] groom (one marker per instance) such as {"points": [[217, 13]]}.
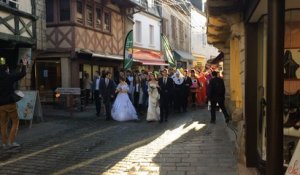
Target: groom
{"points": [[107, 89], [166, 86]]}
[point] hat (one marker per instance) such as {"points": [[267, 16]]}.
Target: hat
{"points": [[2, 61]]}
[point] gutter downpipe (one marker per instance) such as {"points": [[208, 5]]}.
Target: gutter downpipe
{"points": [[275, 52]]}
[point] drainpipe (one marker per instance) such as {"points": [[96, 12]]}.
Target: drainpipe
{"points": [[276, 12]]}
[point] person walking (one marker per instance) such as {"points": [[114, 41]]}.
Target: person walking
{"points": [[107, 91], [87, 87], [216, 94], [153, 108], [187, 83], [123, 109], [166, 86], [8, 105], [96, 92], [178, 91]]}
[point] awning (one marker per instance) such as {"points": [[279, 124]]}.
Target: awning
{"points": [[180, 55], [89, 54], [147, 57], [217, 59]]}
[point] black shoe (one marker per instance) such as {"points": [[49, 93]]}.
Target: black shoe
{"points": [[107, 119], [97, 114], [213, 121], [227, 120], [160, 121]]}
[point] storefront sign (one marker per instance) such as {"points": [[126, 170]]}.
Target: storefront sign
{"points": [[128, 51], [294, 166], [68, 91]]}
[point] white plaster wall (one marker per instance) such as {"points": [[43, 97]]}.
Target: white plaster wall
{"points": [[147, 20], [25, 6], [198, 23]]}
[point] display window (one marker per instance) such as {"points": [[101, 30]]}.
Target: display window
{"points": [[291, 115]]}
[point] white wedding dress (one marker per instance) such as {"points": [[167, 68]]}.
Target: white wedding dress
{"points": [[122, 109], [153, 113]]}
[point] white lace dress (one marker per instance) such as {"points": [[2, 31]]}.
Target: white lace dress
{"points": [[122, 109], [153, 113]]}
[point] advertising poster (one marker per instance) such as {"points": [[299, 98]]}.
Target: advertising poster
{"points": [[29, 106], [128, 51]]}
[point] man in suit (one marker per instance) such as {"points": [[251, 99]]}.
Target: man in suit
{"points": [[107, 89], [187, 82], [216, 94], [166, 86], [96, 92]]}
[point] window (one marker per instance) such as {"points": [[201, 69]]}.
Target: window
{"points": [[49, 11], [64, 10], [181, 32], [13, 3], [150, 3], [98, 17], [138, 30], [174, 28], [107, 21], [89, 15], [79, 15], [151, 28]]}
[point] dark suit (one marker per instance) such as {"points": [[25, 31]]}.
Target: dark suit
{"points": [[107, 91], [165, 93], [187, 82], [216, 94]]}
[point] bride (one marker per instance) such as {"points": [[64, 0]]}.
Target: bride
{"points": [[153, 113], [122, 109]]}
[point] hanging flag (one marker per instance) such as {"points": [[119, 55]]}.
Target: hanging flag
{"points": [[128, 51], [167, 51]]}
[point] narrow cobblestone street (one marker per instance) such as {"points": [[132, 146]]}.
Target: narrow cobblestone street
{"points": [[186, 145]]}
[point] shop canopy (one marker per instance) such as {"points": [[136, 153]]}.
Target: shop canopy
{"points": [[217, 59], [147, 57], [183, 56]]}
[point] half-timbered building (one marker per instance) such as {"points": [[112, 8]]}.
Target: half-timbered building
{"points": [[83, 36], [21, 23]]}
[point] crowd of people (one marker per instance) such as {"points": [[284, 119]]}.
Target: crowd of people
{"points": [[132, 94]]}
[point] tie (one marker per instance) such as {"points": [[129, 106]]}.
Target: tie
{"points": [[106, 82], [165, 81]]}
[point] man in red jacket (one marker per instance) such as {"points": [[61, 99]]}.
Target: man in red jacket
{"points": [[8, 106]]}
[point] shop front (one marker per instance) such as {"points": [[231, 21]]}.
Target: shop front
{"points": [[183, 59], [148, 60], [276, 138]]}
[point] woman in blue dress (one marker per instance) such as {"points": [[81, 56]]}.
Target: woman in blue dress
{"points": [[123, 109]]}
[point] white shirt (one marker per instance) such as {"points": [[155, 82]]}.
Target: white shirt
{"points": [[97, 83]]}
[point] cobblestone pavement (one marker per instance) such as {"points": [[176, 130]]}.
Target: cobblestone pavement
{"points": [[186, 145]]}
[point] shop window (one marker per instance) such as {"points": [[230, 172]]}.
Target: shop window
{"points": [[79, 14], [107, 21], [49, 11], [89, 15], [48, 75], [64, 10], [98, 17]]}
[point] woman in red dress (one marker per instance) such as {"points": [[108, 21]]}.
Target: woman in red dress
{"points": [[201, 96]]}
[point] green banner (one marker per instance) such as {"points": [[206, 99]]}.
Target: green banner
{"points": [[168, 52], [128, 51]]}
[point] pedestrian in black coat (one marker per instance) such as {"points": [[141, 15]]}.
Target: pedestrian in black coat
{"points": [[107, 90], [216, 94], [166, 86]]}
